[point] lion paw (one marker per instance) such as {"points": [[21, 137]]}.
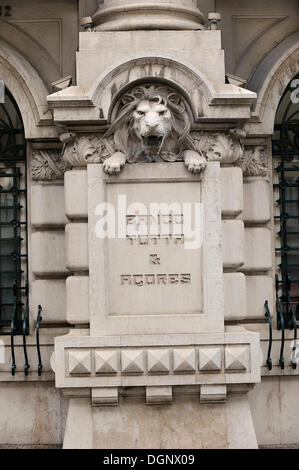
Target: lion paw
{"points": [[114, 164], [194, 162]]}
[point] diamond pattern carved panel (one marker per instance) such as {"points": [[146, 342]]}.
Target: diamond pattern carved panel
{"points": [[210, 359]]}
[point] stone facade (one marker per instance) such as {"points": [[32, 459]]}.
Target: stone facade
{"points": [[162, 103]]}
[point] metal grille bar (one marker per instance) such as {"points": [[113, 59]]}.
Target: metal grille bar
{"points": [[13, 224], [285, 146]]}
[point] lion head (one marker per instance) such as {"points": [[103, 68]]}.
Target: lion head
{"points": [[150, 121]]}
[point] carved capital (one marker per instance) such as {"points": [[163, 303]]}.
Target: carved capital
{"points": [[218, 147], [254, 161], [47, 165], [82, 150]]}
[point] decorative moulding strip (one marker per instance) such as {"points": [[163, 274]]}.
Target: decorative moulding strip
{"points": [[174, 360], [152, 362]]}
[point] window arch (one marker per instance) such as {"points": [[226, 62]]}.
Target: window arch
{"points": [[286, 197], [13, 220]]}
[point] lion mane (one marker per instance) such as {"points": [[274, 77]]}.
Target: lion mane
{"points": [[125, 138]]}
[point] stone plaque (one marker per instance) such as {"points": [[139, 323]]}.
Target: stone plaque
{"points": [[152, 270], [155, 254]]}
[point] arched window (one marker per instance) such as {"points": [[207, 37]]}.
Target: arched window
{"points": [[13, 219], [286, 192]]}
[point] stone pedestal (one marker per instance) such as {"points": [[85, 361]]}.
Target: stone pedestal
{"points": [[183, 424], [156, 319]]}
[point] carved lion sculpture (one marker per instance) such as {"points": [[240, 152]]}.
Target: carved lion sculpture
{"points": [[152, 124]]}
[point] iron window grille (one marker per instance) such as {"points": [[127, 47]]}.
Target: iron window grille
{"points": [[13, 221], [286, 215]]}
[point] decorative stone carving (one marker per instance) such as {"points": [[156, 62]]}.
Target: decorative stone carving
{"points": [[132, 361], [152, 123], [86, 149], [106, 362], [200, 362], [236, 358], [210, 359], [80, 362], [184, 360], [218, 147], [98, 149], [254, 161], [158, 360], [47, 165]]}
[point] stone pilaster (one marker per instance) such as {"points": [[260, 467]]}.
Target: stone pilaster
{"points": [[77, 285]]}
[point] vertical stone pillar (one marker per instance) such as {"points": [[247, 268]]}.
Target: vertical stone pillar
{"points": [[258, 262], [77, 285], [47, 232], [233, 242]]}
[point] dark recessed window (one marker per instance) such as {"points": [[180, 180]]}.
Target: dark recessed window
{"points": [[286, 195], [13, 219]]}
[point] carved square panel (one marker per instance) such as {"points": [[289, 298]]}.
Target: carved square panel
{"points": [[158, 360], [236, 358], [132, 361], [184, 360], [106, 361], [79, 362], [209, 359]]}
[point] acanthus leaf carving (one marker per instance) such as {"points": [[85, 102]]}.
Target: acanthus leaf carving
{"points": [[254, 161], [218, 147], [85, 149], [47, 165], [98, 149]]}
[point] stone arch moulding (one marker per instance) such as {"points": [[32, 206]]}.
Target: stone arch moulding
{"points": [[190, 84], [270, 80], [29, 91], [206, 99]]}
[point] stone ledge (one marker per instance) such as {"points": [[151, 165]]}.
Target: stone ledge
{"points": [[101, 362]]}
